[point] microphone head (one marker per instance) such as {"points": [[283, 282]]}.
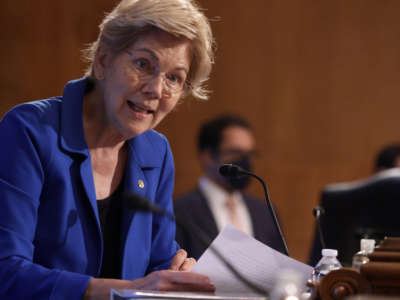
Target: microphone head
{"points": [[230, 170], [136, 202], [139, 203]]}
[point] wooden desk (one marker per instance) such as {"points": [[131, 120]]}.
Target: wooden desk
{"points": [[380, 276]]}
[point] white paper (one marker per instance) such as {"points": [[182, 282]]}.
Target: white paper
{"points": [[257, 262]]}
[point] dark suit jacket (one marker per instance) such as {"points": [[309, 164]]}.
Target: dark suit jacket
{"points": [[193, 207]]}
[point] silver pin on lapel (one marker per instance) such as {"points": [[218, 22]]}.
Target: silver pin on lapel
{"points": [[141, 183]]}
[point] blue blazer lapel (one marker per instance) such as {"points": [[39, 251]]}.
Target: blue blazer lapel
{"points": [[72, 141], [137, 226], [141, 156], [88, 185], [73, 138], [134, 183]]}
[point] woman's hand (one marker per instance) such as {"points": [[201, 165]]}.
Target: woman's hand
{"points": [[181, 262], [168, 280], [165, 280], [177, 278]]}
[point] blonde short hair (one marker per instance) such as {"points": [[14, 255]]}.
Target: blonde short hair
{"points": [[183, 18]]}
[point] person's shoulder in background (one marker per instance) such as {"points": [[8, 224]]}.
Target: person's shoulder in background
{"points": [[185, 201]]}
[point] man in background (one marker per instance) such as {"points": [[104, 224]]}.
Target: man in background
{"points": [[364, 208], [216, 200], [388, 157]]}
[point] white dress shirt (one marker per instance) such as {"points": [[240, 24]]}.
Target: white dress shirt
{"points": [[216, 197]]}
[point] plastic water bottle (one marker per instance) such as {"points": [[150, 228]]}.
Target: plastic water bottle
{"points": [[361, 257], [327, 263]]}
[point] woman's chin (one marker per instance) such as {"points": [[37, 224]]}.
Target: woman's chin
{"points": [[135, 131]]}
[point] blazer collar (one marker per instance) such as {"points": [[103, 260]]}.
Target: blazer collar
{"points": [[72, 135]]}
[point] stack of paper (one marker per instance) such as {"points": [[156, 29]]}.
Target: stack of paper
{"points": [[257, 262]]}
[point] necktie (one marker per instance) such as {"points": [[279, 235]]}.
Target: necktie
{"points": [[232, 209]]}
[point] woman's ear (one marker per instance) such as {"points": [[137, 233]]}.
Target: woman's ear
{"points": [[100, 63]]}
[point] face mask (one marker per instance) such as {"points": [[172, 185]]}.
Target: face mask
{"points": [[240, 182]]}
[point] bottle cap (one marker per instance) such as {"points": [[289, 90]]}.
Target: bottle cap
{"points": [[329, 252], [367, 245]]}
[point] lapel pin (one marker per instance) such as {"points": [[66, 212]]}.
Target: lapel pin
{"points": [[140, 183]]}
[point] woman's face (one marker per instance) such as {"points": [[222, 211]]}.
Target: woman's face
{"points": [[143, 84]]}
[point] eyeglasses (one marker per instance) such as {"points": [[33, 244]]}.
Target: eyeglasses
{"points": [[147, 67]]}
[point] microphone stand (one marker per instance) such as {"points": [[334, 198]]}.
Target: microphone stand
{"points": [[271, 209], [318, 211]]}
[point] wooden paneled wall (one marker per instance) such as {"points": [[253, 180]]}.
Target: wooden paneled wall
{"points": [[317, 79]]}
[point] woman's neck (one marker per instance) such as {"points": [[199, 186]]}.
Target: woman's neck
{"points": [[99, 132]]}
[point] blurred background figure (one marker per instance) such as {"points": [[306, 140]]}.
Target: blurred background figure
{"points": [[217, 201], [366, 208], [388, 157]]}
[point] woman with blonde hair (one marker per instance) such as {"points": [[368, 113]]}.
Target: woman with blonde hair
{"points": [[65, 232]]}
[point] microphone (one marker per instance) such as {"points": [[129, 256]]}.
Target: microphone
{"points": [[231, 170], [138, 203], [318, 211]]}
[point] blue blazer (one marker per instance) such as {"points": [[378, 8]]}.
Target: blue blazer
{"points": [[50, 238]]}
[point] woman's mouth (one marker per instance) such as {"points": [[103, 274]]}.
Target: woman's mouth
{"points": [[139, 109]]}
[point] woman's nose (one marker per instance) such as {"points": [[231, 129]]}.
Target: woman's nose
{"points": [[154, 86]]}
